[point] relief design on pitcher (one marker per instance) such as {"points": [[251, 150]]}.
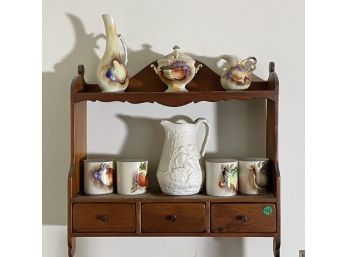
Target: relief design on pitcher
{"points": [[184, 171]]}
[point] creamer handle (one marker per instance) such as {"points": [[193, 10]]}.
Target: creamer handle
{"points": [[124, 45], [253, 60], [207, 133]]}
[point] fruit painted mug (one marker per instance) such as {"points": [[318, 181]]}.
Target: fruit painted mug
{"points": [[254, 175], [99, 176], [221, 177], [132, 176]]}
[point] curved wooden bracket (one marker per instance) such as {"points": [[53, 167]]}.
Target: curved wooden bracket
{"points": [[71, 246], [276, 246]]}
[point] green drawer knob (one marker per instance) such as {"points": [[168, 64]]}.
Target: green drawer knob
{"points": [[267, 210]]}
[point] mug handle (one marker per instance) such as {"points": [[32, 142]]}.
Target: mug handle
{"points": [[207, 133], [253, 60], [124, 45]]}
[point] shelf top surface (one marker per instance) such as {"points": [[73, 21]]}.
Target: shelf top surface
{"points": [[145, 86], [157, 196]]}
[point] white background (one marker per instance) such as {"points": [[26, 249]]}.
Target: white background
{"points": [[271, 30], [326, 128]]}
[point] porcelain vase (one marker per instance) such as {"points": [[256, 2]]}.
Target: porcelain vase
{"points": [[112, 73]]}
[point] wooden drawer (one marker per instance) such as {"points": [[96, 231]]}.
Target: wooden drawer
{"points": [[243, 218], [173, 217], [104, 217]]}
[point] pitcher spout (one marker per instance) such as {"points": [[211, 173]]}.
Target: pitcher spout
{"points": [[166, 124]]}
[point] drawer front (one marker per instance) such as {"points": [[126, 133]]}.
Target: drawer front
{"points": [[104, 217], [243, 218], [173, 217]]}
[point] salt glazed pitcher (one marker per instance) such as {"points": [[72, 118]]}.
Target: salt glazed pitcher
{"points": [[179, 171], [112, 73]]}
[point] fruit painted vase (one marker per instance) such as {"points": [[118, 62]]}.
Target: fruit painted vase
{"points": [[99, 177], [112, 74], [132, 176]]}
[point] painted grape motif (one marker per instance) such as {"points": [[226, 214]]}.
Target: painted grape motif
{"points": [[104, 175]]}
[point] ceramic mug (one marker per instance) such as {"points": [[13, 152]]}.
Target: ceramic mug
{"points": [[99, 176], [132, 176], [221, 177], [253, 175]]}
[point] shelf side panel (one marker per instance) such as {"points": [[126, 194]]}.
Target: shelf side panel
{"points": [[79, 144], [272, 116]]}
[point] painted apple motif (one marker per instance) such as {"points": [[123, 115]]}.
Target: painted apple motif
{"points": [[140, 178]]}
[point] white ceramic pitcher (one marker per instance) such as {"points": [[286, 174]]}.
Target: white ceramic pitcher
{"points": [[179, 171]]}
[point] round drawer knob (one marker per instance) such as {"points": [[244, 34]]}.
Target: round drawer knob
{"points": [[102, 218], [171, 217], [242, 218]]}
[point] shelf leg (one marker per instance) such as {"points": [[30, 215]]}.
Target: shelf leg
{"points": [[276, 246], [71, 246]]}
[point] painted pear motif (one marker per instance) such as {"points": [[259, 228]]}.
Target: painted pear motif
{"points": [[258, 178]]}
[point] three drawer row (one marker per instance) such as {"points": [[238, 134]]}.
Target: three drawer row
{"points": [[174, 217]]}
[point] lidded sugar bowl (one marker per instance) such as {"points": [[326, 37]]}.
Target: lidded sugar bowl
{"points": [[176, 70]]}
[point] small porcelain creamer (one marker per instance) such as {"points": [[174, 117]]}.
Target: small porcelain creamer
{"points": [[237, 75], [179, 171], [176, 70]]}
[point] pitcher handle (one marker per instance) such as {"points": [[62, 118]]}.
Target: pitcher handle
{"points": [[124, 45], [207, 133]]}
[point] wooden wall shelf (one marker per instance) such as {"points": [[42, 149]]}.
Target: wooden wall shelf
{"points": [[157, 214]]}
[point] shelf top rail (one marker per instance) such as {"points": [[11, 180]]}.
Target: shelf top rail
{"points": [[145, 86]]}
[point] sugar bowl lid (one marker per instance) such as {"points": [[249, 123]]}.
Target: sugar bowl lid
{"points": [[176, 54]]}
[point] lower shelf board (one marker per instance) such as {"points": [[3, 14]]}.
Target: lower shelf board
{"points": [[158, 196], [90, 234]]}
